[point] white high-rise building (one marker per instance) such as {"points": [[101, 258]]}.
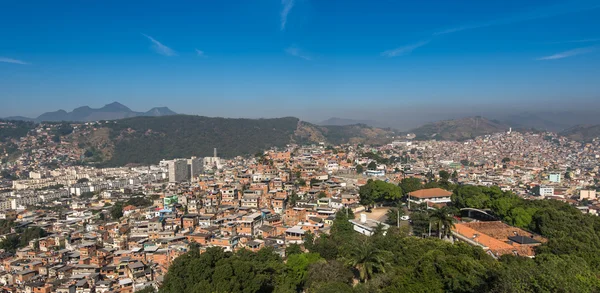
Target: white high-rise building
{"points": [[178, 170], [195, 167]]}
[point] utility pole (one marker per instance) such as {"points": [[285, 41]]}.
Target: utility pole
{"points": [[429, 228]]}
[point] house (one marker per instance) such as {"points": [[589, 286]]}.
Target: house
{"points": [[294, 235], [367, 226], [433, 195], [497, 238]]}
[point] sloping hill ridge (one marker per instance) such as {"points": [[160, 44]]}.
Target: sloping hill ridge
{"points": [[342, 134], [112, 111], [459, 129], [582, 132], [147, 140]]}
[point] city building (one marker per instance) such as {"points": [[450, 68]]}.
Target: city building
{"points": [[178, 170]]}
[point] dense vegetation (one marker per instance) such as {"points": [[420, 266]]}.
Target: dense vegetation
{"points": [[147, 140], [5, 226], [345, 261], [570, 232], [377, 191], [15, 130], [21, 239], [459, 129], [582, 132]]}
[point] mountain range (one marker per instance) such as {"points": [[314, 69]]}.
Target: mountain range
{"points": [[336, 121], [459, 129], [112, 111], [147, 140], [582, 132]]}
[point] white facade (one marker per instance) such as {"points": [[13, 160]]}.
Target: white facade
{"points": [[178, 170], [546, 191]]}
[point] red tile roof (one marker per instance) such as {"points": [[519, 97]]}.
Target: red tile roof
{"points": [[430, 193]]}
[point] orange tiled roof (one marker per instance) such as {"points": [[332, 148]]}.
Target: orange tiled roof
{"points": [[494, 236], [429, 193]]}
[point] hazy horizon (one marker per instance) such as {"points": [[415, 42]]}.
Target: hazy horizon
{"points": [[402, 64]]}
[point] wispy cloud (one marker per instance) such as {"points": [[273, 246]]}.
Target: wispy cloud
{"points": [[572, 41], [285, 10], [200, 53], [570, 53], [404, 50], [297, 52], [159, 47], [13, 61], [540, 13]]}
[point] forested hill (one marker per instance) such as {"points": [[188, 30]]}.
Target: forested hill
{"points": [[459, 129], [582, 132], [147, 140]]}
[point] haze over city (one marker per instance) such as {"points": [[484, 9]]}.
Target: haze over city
{"points": [[399, 63], [286, 146]]}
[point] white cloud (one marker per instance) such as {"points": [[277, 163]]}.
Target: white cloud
{"points": [[297, 52], [404, 50], [160, 48], [13, 61], [287, 7], [573, 41], [200, 53], [539, 13], [569, 53]]}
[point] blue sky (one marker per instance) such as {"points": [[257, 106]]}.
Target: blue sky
{"points": [[308, 58]]}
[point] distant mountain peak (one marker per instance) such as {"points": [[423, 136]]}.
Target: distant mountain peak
{"points": [[116, 106], [336, 121], [112, 111], [160, 111]]}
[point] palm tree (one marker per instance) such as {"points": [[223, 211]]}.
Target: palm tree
{"points": [[444, 221], [367, 260]]}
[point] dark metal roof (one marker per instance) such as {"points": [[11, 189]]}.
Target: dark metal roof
{"points": [[523, 240]]}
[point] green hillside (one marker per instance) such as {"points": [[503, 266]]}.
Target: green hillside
{"points": [[147, 140], [582, 132], [459, 129]]}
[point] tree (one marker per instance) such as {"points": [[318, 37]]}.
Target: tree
{"points": [[372, 165], [322, 194], [419, 222], [444, 221], [464, 163], [393, 215], [349, 213], [297, 268], [116, 212], [505, 160], [368, 260], [22, 238], [445, 175], [454, 175], [410, 184], [322, 273], [293, 249], [359, 169], [293, 199], [376, 191], [87, 194], [301, 182]]}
